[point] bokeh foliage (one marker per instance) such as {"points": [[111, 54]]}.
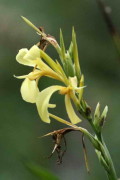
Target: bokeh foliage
{"points": [[20, 124]]}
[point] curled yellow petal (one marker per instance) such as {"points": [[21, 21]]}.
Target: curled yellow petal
{"points": [[21, 77], [70, 111], [28, 57], [52, 105], [29, 90], [43, 102], [33, 53], [20, 56], [32, 75]]}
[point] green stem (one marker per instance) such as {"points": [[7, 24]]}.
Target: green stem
{"points": [[112, 173], [106, 159]]}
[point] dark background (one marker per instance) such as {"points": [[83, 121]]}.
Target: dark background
{"points": [[20, 124]]}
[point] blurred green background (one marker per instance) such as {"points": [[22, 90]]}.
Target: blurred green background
{"points": [[20, 124]]}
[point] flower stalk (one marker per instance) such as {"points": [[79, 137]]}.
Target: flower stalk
{"points": [[68, 72]]}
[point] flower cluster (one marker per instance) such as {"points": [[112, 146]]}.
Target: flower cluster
{"points": [[68, 73]]}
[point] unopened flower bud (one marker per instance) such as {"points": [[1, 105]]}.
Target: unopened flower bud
{"points": [[103, 116], [97, 114]]}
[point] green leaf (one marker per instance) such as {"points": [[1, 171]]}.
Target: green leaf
{"points": [[40, 172]]}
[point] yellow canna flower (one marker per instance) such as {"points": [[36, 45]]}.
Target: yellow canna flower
{"points": [[43, 65], [28, 57], [43, 104], [29, 89]]}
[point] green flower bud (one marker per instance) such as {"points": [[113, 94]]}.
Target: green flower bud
{"points": [[99, 119], [103, 116], [97, 115]]}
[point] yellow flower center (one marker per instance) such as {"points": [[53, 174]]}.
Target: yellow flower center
{"points": [[65, 90]]}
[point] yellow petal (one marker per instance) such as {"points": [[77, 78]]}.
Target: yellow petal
{"points": [[32, 75], [73, 81], [33, 53], [70, 111], [21, 77], [29, 90], [43, 102], [28, 57], [52, 105], [20, 56]]}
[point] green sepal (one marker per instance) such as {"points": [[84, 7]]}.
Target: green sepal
{"points": [[104, 115], [62, 46], [32, 25], [70, 50], [97, 115], [75, 55], [85, 109], [66, 58], [69, 67]]}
